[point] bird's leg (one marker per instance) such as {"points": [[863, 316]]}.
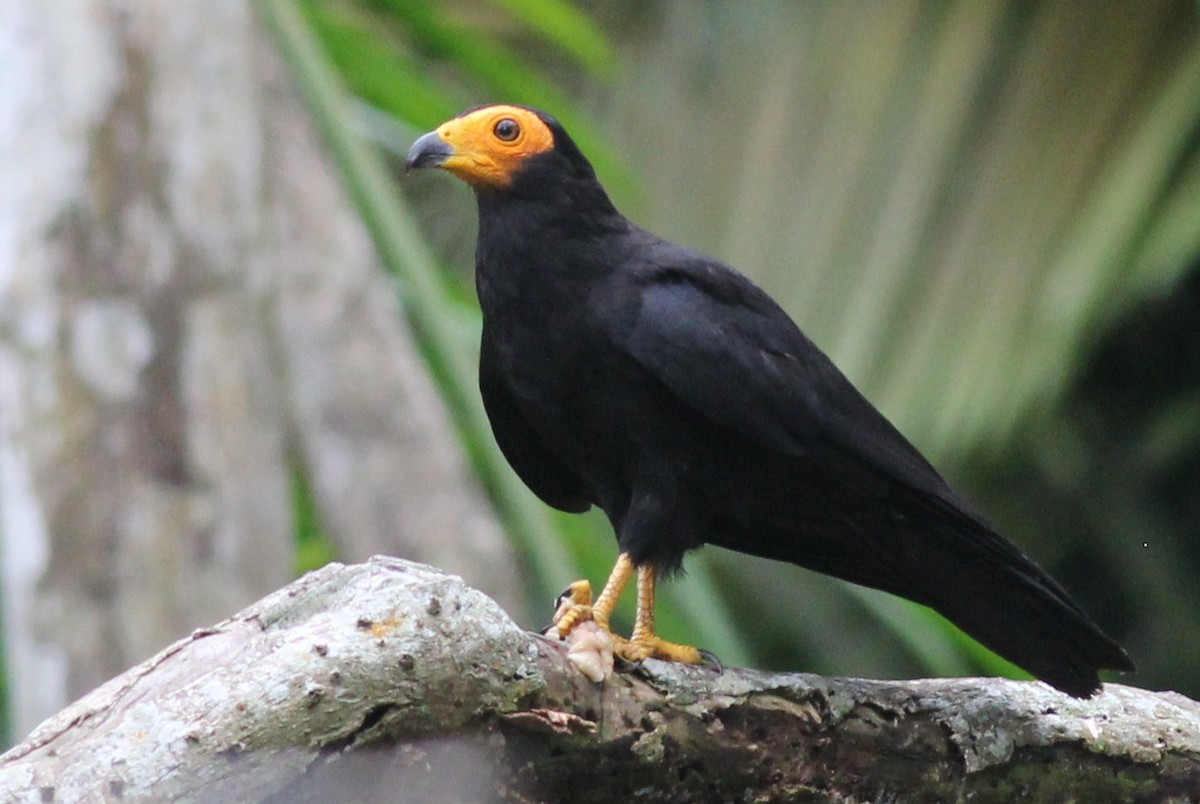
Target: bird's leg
{"points": [[575, 603], [644, 643], [575, 607]]}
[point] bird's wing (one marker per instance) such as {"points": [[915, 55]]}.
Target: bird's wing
{"points": [[725, 349]]}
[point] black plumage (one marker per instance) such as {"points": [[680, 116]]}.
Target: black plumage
{"points": [[624, 371]]}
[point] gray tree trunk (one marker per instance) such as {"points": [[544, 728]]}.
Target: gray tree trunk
{"points": [[390, 681], [189, 312]]}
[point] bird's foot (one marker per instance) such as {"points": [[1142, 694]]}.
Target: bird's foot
{"points": [[574, 606], [584, 624], [652, 646]]}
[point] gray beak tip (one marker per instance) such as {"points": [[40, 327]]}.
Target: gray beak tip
{"points": [[430, 150]]}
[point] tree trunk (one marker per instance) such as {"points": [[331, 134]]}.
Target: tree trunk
{"points": [[392, 681], [189, 313]]}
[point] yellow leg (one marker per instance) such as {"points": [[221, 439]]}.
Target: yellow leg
{"points": [[644, 643], [575, 606], [617, 580]]}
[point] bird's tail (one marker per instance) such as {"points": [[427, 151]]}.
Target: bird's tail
{"points": [[995, 593]]}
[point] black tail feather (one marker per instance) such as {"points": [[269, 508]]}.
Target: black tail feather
{"points": [[1007, 603]]}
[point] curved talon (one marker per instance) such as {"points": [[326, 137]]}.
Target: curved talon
{"points": [[710, 660], [624, 663], [579, 592]]}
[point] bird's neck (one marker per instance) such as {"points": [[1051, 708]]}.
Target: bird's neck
{"points": [[573, 208], [531, 246]]}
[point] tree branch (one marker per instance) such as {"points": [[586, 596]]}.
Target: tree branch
{"points": [[369, 681]]}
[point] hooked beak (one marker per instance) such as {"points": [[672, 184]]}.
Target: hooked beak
{"points": [[428, 151]]}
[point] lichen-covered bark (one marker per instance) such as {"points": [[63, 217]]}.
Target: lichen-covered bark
{"points": [[390, 680]]}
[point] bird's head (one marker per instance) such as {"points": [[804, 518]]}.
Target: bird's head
{"points": [[493, 148]]}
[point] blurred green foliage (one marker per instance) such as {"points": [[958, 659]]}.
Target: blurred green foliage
{"points": [[313, 548]]}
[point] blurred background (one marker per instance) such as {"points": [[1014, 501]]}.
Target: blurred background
{"points": [[237, 343]]}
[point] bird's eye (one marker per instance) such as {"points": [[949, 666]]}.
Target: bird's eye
{"points": [[507, 130]]}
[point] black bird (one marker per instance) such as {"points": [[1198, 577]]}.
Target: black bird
{"points": [[624, 371]]}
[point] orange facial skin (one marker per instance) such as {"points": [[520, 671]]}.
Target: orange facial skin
{"points": [[486, 146]]}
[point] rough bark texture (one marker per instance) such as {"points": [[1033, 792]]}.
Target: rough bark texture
{"points": [[392, 681], [190, 311]]}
